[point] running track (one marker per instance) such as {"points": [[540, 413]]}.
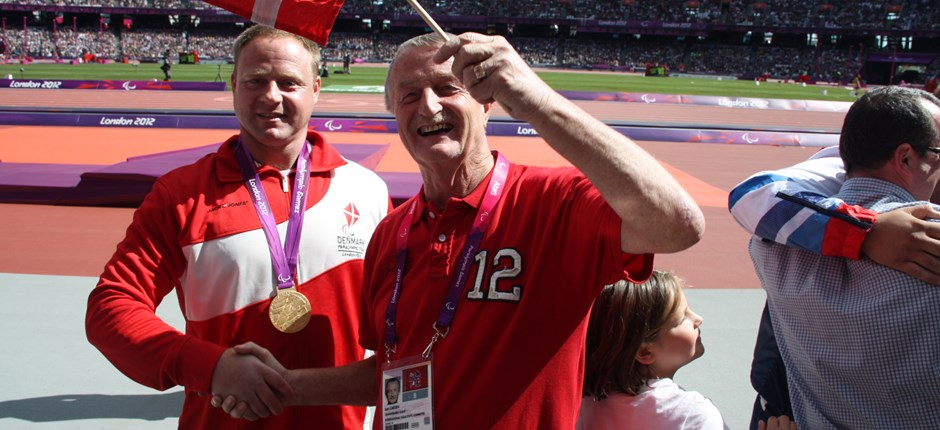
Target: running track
{"points": [[55, 240]]}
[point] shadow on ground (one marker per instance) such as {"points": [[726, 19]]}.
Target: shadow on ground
{"points": [[149, 407]]}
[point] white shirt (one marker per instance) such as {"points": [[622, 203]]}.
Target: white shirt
{"points": [[662, 405]]}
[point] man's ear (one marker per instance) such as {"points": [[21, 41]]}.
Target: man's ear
{"points": [[904, 152], [902, 161], [646, 355], [317, 82]]}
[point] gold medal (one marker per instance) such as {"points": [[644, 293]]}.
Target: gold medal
{"points": [[289, 311]]}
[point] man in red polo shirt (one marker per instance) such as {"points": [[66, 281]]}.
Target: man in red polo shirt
{"points": [[478, 288]]}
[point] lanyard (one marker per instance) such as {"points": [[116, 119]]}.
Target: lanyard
{"points": [[283, 258], [494, 190]]}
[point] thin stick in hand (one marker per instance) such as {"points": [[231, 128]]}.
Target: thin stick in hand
{"points": [[427, 19]]}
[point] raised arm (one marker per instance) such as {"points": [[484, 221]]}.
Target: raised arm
{"points": [[658, 214]]}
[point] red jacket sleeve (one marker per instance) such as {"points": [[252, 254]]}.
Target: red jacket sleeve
{"points": [[121, 320]]}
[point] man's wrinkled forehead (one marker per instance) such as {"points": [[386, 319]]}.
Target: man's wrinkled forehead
{"points": [[418, 65], [420, 58], [421, 77]]}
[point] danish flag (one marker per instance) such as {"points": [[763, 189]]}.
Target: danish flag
{"points": [[312, 19]]}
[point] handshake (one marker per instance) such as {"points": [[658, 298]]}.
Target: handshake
{"points": [[249, 383]]}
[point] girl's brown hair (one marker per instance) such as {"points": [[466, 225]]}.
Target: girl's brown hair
{"points": [[624, 316]]}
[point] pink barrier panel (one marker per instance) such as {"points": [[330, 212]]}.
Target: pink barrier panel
{"points": [[738, 102]]}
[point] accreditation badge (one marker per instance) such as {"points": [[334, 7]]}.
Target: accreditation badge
{"points": [[407, 401]]}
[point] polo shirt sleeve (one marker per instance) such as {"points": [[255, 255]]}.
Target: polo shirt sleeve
{"points": [[594, 230]]}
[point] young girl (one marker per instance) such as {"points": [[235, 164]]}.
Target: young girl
{"points": [[639, 335]]}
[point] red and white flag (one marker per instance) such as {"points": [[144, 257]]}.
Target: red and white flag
{"points": [[312, 19]]}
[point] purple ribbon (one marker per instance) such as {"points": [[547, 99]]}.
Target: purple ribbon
{"points": [[283, 258], [494, 190]]}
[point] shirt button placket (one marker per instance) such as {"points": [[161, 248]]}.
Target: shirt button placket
{"points": [[439, 247]]}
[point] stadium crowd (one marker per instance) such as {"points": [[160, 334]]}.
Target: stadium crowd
{"points": [[827, 63], [900, 14], [622, 52]]}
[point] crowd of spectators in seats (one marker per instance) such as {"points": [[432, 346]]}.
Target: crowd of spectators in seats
{"points": [[537, 51], [625, 53], [874, 14], [216, 45], [150, 44], [589, 52], [67, 43]]}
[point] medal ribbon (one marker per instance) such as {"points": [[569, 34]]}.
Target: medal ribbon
{"points": [[494, 190], [283, 258]]}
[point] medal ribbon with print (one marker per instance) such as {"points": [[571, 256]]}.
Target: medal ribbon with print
{"points": [[290, 309], [494, 191]]}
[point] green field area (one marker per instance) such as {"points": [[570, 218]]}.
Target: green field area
{"points": [[367, 77]]}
